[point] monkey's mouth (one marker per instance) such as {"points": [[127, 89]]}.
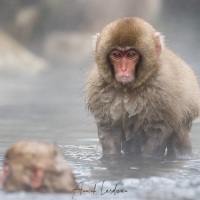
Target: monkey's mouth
{"points": [[124, 78]]}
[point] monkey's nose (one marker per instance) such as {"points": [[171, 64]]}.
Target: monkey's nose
{"points": [[123, 67]]}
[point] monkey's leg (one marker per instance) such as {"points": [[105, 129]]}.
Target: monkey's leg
{"points": [[180, 144], [132, 146], [154, 144], [171, 154], [110, 138], [131, 139]]}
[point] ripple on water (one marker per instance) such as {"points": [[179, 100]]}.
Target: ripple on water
{"points": [[82, 152]]}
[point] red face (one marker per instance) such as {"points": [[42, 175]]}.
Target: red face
{"points": [[124, 61]]}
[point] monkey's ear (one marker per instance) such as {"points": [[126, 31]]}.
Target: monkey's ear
{"points": [[37, 177], [160, 42], [94, 41]]}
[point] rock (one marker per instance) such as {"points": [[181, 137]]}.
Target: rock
{"points": [[68, 47], [14, 56], [25, 22]]}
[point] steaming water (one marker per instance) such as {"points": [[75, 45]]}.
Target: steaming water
{"points": [[50, 107]]}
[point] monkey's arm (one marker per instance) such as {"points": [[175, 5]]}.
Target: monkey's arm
{"points": [[110, 137]]}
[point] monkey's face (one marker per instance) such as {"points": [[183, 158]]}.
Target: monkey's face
{"points": [[124, 62], [36, 166], [128, 52]]}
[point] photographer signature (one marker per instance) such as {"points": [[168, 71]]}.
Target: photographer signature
{"points": [[103, 190]]}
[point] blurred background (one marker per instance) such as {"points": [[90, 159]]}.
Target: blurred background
{"points": [[60, 31]]}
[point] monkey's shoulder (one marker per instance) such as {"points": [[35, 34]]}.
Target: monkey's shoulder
{"points": [[174, 66]]}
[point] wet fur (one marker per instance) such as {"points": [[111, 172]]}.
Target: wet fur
{"points": [[156, 110]]}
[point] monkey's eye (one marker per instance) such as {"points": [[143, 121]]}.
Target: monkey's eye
{"points": [[116, 55], [131, 54]]}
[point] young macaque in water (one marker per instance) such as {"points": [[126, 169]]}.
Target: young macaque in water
{"points": [[143, 96], [36, 166]]}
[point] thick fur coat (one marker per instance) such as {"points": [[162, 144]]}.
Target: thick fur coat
{"points": [[163, 100]]}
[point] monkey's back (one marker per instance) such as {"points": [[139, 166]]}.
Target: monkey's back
{"points": [[181, 83]]}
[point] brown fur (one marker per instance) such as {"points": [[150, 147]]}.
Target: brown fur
{"points": [[156, 110], [25, 157]]}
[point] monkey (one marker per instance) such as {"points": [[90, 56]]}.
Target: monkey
{"points": [[36, 166], [143, 97]]}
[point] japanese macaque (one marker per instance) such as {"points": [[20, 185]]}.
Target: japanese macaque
{"points": [[143, 97], [36, 166]]}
